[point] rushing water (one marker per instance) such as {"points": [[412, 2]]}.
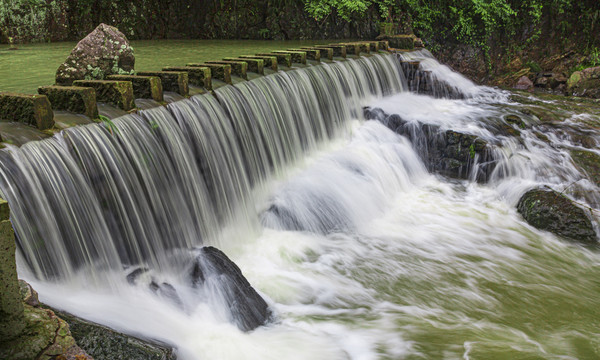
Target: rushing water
{"points": [[360, 252]]}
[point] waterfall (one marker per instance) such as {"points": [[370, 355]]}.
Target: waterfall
{"points": [[387, 237], [167, 178]]}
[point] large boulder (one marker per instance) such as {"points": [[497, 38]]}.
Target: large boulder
{"points": [[551, 211], [105, 51], [225, 285], [585, 83]]}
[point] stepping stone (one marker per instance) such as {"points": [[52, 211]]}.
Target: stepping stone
{"points": [[269, 60], [311, 54], [254, 65], [174, 81], [34, 110], [217, 71], [198, 76], [79, 100], [144, 87], [239, 68], [117, 93]]}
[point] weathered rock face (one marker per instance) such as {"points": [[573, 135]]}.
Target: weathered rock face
{"points": [[585, 83], [551, 211], [212, 269], [105, 51]]}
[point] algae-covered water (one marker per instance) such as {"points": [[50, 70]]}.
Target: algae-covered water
{"points": [[34, 65]]}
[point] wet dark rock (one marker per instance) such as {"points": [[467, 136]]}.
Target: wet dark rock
{"points": [[446, 152], [103, 343], [133, 277], [589, 163], [551, 211], [105, 51], [168, 292], [214, 269]]}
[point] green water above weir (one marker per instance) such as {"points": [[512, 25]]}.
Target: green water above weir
{"points": [[35, 65]]}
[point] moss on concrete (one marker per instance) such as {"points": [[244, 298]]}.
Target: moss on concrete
{"points": [[338, 50], [117, 93], [351, 48], [404, 42], [144, 87], [198, 76], [80, 100], [383, 45], [297, 56], [34, 110], [254, 65], [269, 60], [324, 52], [283, 59], [217, 71], [12, 321], [175, 81], [239, 68], [311, 54]]}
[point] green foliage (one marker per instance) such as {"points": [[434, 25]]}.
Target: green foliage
{"points": [[535, 67], [109, 124]]}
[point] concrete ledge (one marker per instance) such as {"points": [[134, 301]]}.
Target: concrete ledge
{"points": [[217, 71], [80, 100], [198, 76], [405, 42], [254, 65], [338, 50], [297, 56], [383, 45], [117, 93], [34, 110], [311, 54], [283, 59], [325, 53], [364, 47], [269, 60], [351, 48], [239, 68], [373, 45], [175, 81], [144, 87]]}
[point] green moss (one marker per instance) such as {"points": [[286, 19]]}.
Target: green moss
{"points": [[34, 110], [80, 100], [589, 163], [117, 93]]}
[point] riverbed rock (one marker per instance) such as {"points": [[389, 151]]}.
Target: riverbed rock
{"points": [[589, 163], [103, 343], [549, 210], [212, 269], [105, 51], [585, 83], [524, 83]]}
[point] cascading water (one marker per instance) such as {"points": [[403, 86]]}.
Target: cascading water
{"points": [[360, 252]]}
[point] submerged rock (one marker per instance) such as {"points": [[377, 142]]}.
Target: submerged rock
{"points": [[105, 51], [105, 344], [220, 276], [551, 211]]}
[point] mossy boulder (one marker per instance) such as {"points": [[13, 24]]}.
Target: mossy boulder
{"points": [[103, 343], [548, 210], [282, 58], [34, 110], [144, 87], [217, 71], [239, 68], [117, 93], [175, 81], [269, 60], [298, 57], [197, 76], [105, 51], [254, 65], [589, 163], [80, 100], [585, 83]]}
